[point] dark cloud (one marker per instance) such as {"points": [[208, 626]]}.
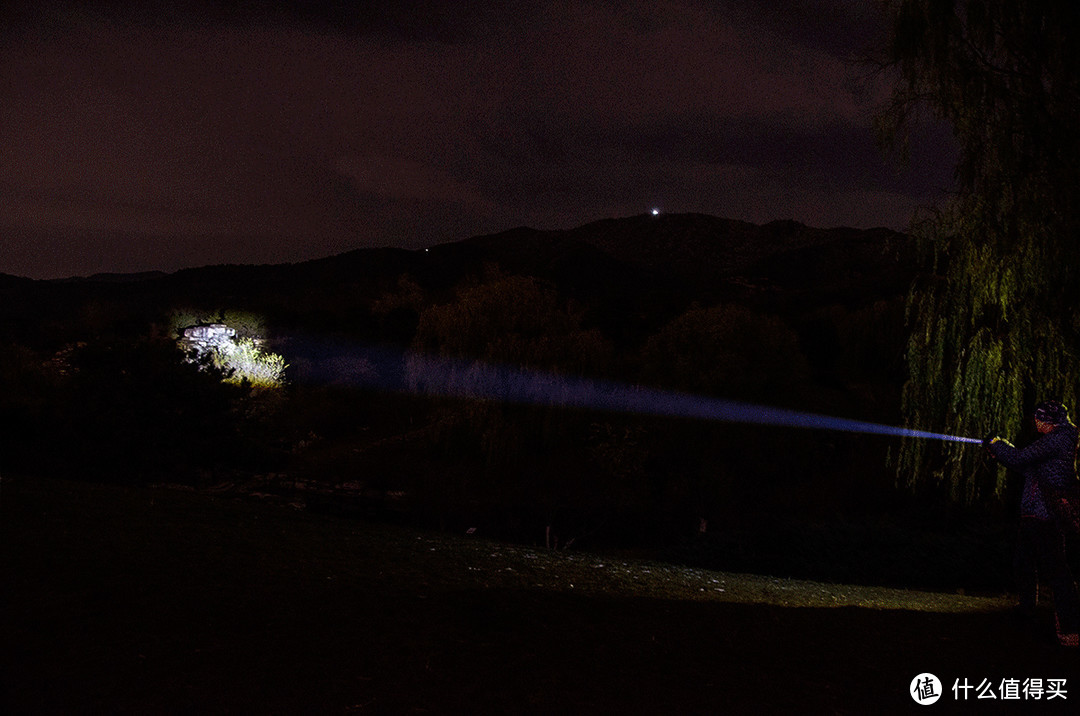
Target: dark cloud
{"points": [[844, 28], [415, 20], [191, 132]]}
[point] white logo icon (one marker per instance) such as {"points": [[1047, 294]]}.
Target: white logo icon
{"points": [[925, 689]]}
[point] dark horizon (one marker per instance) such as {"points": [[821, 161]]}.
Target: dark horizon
{"points": [[121, 276]]}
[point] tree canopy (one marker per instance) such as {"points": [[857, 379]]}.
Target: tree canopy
{"points": [[995, 316]]}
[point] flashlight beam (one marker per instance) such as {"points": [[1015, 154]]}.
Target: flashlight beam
{"points": [[388, 370], [440, 376]]}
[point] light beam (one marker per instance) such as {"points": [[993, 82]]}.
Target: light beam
{"points": [[446, 377], [437, 376]]}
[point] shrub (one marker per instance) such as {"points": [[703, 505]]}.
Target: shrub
{"points": [[246, 361], [727, 350]]}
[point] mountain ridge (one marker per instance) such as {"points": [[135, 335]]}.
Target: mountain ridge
{"points": [[633, 273], [693, 246]]}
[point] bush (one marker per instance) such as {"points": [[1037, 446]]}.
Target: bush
{"points": [[726, 350], [245, 361]]}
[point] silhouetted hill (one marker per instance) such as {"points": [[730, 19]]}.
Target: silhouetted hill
{"points": [[9, 281], [699, 255], [696, 247], [577, 265], [115, 277], [839, 264], [638, 266]]}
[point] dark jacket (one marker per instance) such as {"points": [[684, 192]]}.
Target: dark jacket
{"points": [[1047, 466]]}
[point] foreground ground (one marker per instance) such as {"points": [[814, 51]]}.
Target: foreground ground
{"points": [[162, 601]]}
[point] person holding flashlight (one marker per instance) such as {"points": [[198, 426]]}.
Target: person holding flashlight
{"points": [[1047, 513]]}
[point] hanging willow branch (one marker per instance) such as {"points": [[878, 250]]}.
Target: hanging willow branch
{"points": [[995, 318]]}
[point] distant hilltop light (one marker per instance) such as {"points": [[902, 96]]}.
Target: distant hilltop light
{"points": [[655, 212]]}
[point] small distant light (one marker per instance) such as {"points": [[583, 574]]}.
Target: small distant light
{"points": [[656, 212], [427, 251]]}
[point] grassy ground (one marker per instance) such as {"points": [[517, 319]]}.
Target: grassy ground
{"points": [[162, 601]]}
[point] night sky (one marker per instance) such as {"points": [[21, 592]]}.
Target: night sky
{"points": [[188, 133]]}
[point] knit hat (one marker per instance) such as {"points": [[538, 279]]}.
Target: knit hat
{"points": [[1053, 412]]}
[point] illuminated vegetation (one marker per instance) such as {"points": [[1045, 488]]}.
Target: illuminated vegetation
{"points": [[241, 358], [245, 361], [995, 318]]}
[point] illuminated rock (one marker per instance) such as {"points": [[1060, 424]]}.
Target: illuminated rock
{"points": [[215, 336]]}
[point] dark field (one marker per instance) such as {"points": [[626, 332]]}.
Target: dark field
{"points": [[164, 601]]}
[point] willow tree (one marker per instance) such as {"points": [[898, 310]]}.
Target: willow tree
{"points": [[995, 317]]}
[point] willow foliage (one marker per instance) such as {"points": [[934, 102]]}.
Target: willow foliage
{"points": [[995, 317]]}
